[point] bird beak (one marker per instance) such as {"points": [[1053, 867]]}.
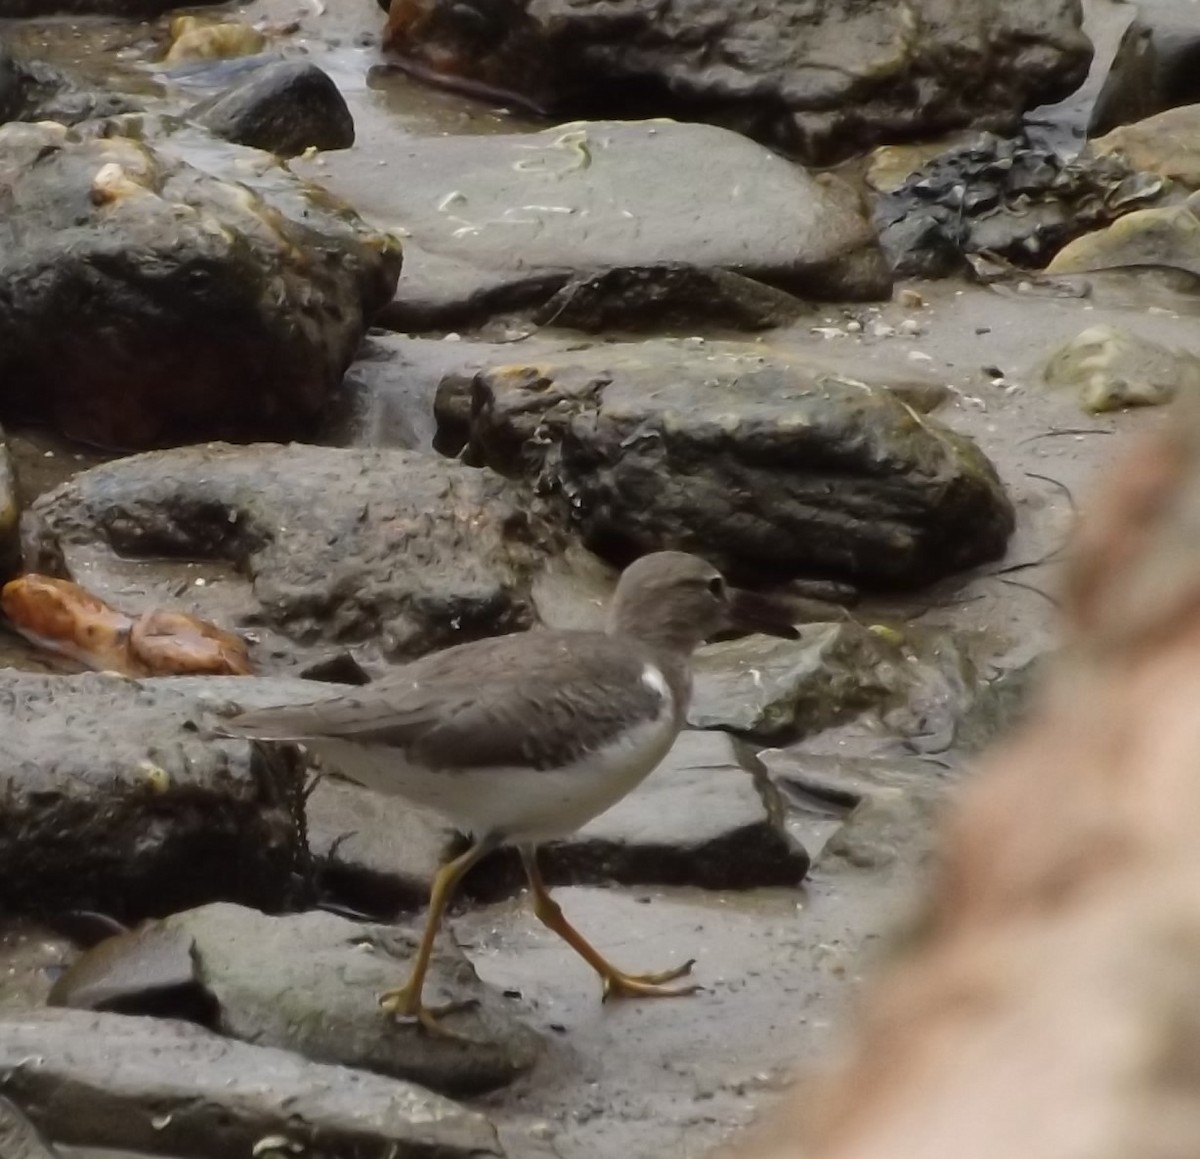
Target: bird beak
{"points": [[751, 612]]}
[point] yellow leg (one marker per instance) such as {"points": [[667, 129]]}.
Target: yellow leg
{"points": [[405, 1000], [617, 983]]}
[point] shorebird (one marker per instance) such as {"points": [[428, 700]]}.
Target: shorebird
{"points": [[522, 739]]}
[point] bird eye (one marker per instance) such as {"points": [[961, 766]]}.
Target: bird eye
{"points": [[716, 586]]}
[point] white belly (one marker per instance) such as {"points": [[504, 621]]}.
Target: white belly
{"points": [[523, 805]]}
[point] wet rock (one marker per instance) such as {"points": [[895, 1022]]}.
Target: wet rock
{"points": [[377, 853], [183, 1090], [1156, 67], [1165, 239], [699, 819], [766, 466], [10, 516], [827, 80], [115, 802], [890, 803], [1000, 705], [283, 108], [401, 552], [19, 1138], [912, 687], [1002, 196], [186, 307], [310, 983], [508, 219], [33, 91], [666, 298], [1112, 369], [1167, 145]]}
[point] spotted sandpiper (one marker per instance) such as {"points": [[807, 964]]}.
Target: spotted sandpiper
{"points": [[525, 738]]}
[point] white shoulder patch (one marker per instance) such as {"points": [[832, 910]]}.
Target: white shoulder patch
{"points": [[653, 679]]}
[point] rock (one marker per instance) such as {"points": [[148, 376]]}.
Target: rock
{"points": [[401, 552], [507, 219], [699, 819], [1155, 67], [1165, 144], [33, 91], [912, 687], [19, 1138], [195, 38], [309, 983], [768, 466], [187, 307], [181, 1089], [115, 802], [825, 80], [1112, 369], [1002, 196], [1000, 705], [378, 853], [1166, 238], [283, 108], [891, 807], [10, 516], [667, 297]]}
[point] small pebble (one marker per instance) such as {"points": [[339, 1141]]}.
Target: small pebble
{"points": [[910, 328], [919, 356], [883, 330], [854, 326], [910, 299]]}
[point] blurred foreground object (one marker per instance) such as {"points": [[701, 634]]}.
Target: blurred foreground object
{"points": [[1048, 1005]]}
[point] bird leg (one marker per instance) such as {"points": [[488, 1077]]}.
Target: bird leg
{"points": [[405, 1001], [617, 984]]}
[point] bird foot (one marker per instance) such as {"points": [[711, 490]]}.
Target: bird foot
{"points": [[620, 985], [407, 1008]]}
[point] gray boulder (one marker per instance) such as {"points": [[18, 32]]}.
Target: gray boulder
{"points": [[824, 78], [155, 1086], [184, 306], [402, 552]]}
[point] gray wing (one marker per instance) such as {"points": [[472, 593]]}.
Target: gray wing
{"points": [[536, 699]]}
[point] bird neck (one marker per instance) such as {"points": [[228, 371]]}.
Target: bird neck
{"points": [[664, 633]]}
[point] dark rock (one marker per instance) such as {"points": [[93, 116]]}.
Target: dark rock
{"points": [[115, 802], [10, 516], [185, 307], [283, 108], [504, 221], [699, 819], [1006, 197], [310, 982], [404, 553], [823, 79], [768, 467], [155, 1086], [1156, 67], [19, 1138], [33, 91], [667, 298]]}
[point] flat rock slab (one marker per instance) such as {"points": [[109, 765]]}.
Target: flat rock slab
{"points": [[762, 463], [115, 801], [491, 216], [824, 78], [154, 1085], [186, 306], [340, 546], [309, 983]]}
